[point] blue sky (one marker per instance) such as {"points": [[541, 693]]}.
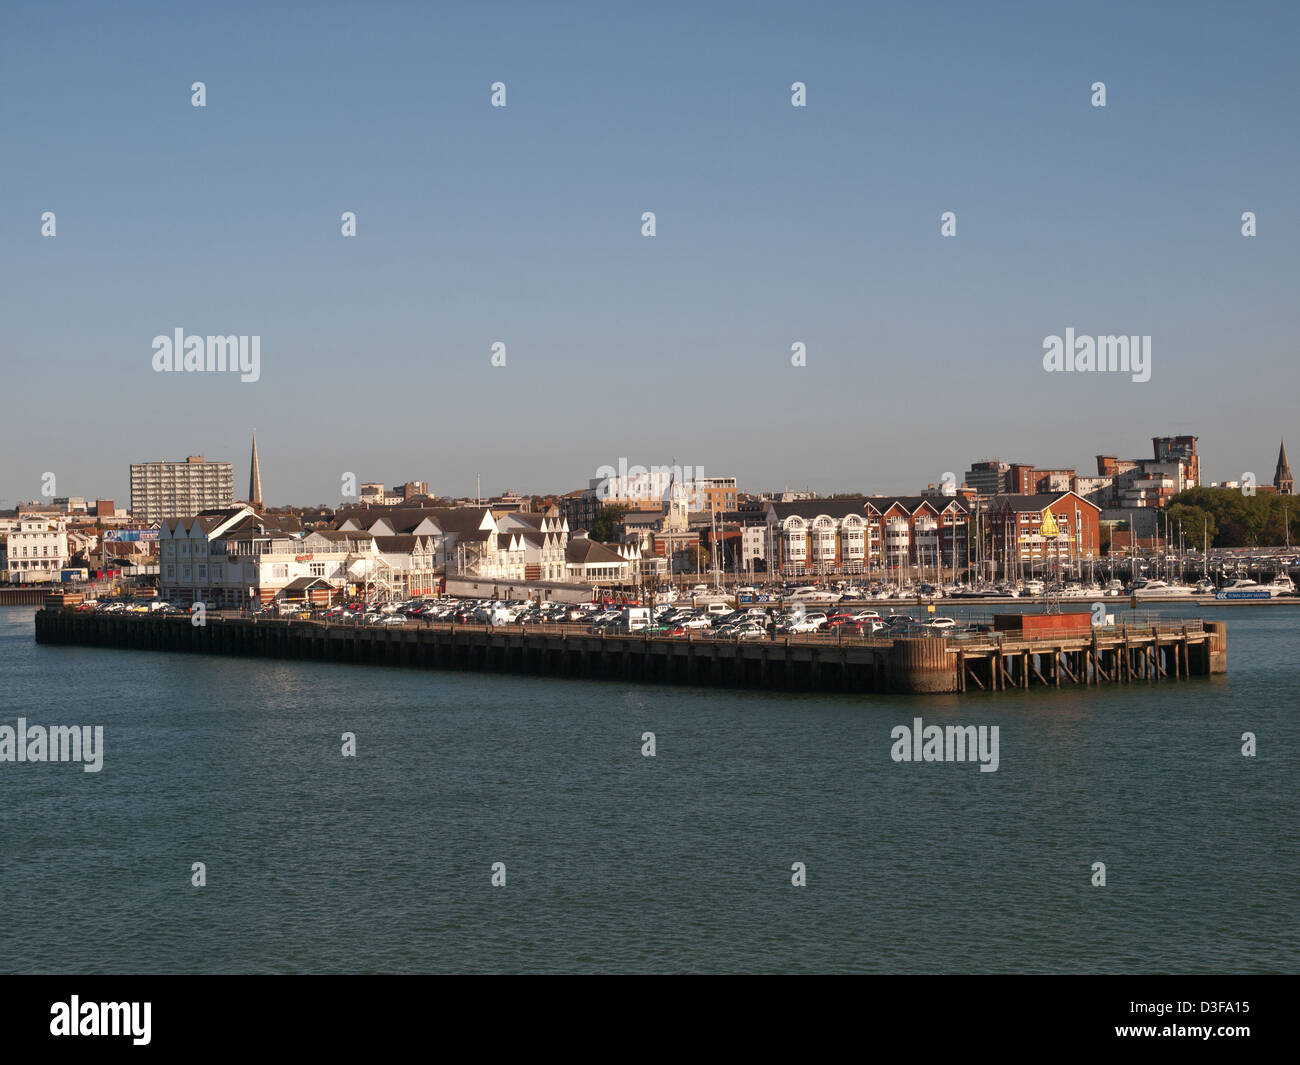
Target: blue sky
{"points": [[522, 224]]}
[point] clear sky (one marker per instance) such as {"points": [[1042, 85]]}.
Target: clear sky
{"points": [[522, 224]]}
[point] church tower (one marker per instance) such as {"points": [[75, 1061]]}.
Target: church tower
{"points": [[254, 479], [1282, 479]]}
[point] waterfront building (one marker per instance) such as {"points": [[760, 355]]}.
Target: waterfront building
{"points": [[165, 490], [590, 562], [822, 536], [236, 557], [540, 539], [34, 548], [515, 545], [1033, 529]]}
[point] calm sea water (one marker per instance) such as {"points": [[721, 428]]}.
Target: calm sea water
{"points": [[619, 862]]}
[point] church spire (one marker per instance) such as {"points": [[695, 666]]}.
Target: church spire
{"points": [[1282, 479], [254, 479]]}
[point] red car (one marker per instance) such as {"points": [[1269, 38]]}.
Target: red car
{"points": [[836, 621]]}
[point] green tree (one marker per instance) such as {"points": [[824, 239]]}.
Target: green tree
{"points": [[1197, 523], [1236, 519], [609, 518]]}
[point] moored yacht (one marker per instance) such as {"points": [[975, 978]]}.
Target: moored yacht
{"points": [[1158, 589], [1282, 584], [1244, 588]]}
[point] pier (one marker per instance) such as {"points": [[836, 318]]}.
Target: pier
{"points": [[1157, 651], [23, 596]]}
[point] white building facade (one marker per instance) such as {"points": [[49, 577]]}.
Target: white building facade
{"points": [[34, 550]]}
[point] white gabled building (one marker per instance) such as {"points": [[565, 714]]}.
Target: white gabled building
{"points": [[539, 542], [591, 562], [236, 557], [188, 568], [475, 542]]}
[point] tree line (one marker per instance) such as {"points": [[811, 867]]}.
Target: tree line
{"points": [[1231, 518]]}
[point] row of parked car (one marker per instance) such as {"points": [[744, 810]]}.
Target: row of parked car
{"points": [[716, 619], [756, 623], [123, 605]]}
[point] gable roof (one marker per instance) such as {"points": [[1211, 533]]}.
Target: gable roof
{"points": [[814, 508], [1036, 503], [403, 543], [582, 551]]}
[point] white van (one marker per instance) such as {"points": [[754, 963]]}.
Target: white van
{"points": [[635, 618]]}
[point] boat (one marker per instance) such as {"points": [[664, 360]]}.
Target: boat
{"points": [[1244, 588], [811, 595], [1032, 587], [1158, 589], [1280, 585]]}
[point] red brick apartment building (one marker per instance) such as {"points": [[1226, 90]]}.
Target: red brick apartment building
{"points": [[1016, 527]]}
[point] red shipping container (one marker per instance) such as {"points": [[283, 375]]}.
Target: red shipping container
{"points": [[1043, 624]]}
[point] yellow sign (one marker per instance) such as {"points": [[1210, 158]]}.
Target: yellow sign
{"points": [[1049, 527]]}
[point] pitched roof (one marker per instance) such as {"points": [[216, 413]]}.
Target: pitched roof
{"points": [[813, 508], [590, 552], [301, 584], [914, 503], [401, 543], [637, 518], [525, 517], [337, 536], [207, 520], [1034, 504]]}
